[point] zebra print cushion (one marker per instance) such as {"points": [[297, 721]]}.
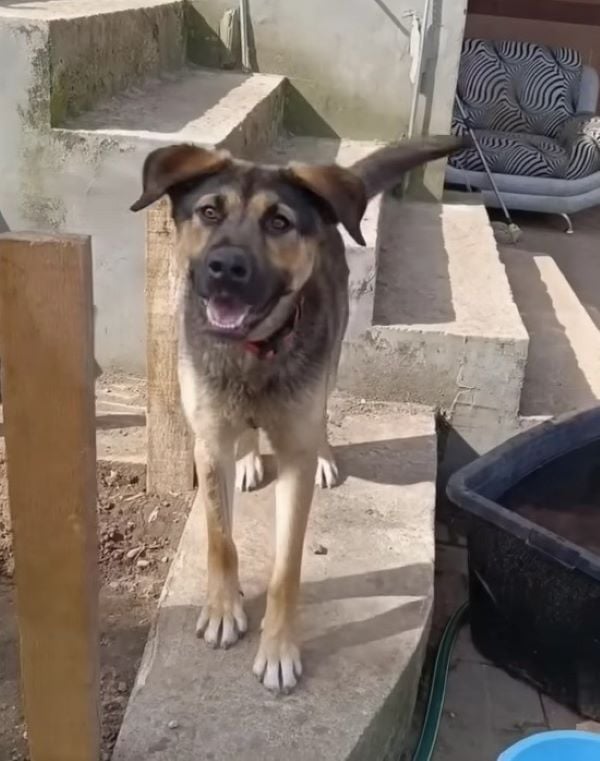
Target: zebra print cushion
{"points": [[520, 98]]}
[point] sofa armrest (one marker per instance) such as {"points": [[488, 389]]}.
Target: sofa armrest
{"points": [[580, 138], [588, 91]]}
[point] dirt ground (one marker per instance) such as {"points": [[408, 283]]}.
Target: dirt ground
{"points": [[138, 537]]}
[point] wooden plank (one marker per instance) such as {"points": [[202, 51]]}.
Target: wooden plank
{"points": [[558, 11], [48, 387], [170, 446]]}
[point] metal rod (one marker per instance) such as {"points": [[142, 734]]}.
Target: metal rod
{"points": [[417, 85], [486, 166], [567, 218], [244, 36]]}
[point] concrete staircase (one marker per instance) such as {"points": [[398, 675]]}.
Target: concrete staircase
{"points": [[563, 366], [90, 92], [434, 329], [365, 615]]}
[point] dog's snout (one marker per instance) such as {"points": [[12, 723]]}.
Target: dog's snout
{"points": [[229, 265]]}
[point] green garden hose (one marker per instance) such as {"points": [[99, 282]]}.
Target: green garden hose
{"points": [[437, 690]]}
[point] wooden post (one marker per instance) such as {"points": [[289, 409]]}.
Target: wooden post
{"points": [[48, 389], [170, 447]]}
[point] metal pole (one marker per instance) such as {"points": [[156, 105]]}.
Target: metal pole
{"points": [[244, 35]]}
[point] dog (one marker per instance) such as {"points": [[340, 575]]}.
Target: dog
{"points": [[264, 308]]}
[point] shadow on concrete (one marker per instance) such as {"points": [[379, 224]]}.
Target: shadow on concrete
{"points": [[553, 381], [396, 462], [409, 581], [576, 255], [301, 118], [413, 580], [303, 148], [108, 422], [204, 46], [397, 22], [412, 286]]}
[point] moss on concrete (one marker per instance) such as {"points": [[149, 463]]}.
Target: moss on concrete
{"points": [[97, 56]]}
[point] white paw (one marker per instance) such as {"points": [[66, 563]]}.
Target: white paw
{"points": [[249, 472], [222, 623], [277, 664], [327, 472]]}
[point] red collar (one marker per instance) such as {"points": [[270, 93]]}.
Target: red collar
{"points": [[282, 338]]}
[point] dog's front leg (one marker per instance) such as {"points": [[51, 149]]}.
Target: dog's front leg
{"points": [[222, 620], [278, 663]]}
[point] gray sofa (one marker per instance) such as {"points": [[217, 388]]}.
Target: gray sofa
{"points": [[533, 110]]}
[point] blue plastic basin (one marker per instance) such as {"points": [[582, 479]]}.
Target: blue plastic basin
{"points": [[555, 746]]}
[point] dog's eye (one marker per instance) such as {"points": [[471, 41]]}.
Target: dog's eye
{"points": [[209, 213], [278, 224]]}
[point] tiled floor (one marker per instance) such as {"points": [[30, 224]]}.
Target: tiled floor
{"points": [[485, 710]]}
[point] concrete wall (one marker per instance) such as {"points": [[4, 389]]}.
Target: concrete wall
{"points": [[348, 64], [348, 61], [53, 180]]}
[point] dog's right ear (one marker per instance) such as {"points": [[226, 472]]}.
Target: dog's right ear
{"points": [[167, 167], [385, 168]]}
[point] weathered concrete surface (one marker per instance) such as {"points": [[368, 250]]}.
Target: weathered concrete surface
{"points": [[350, 70], [563, 366], [91, 55], [365, 615], [446, 329], [84, 179], [194, 105]]}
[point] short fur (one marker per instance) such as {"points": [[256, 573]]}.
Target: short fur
{"points": [[262, 243]]}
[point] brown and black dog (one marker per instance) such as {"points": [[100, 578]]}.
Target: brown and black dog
{"points": [[264, 307]]}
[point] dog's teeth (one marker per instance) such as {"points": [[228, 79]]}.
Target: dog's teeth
{"points": [[225, 322]]}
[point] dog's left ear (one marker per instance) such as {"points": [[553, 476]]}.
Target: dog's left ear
{"points": [[340, 189], [165, 168]]}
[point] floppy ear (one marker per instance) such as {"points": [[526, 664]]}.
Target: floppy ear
{"points": [[166, 167], [340, 189], [383, 169]]}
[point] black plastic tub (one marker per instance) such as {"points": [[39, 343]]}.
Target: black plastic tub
{"points": [[534, 556]]}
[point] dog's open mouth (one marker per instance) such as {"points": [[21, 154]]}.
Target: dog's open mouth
{"points": [[227, 314]]}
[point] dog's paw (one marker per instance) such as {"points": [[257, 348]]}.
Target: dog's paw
{"points": [[222, 622], [327, 475], [249, 472], [277, 664]]}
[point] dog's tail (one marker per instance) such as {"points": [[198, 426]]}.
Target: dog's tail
{"points": [[384, 169]]}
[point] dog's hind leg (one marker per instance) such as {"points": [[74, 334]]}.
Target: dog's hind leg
{"points": [[277, 662], [327, 475], [222, 620], [249, 471]]}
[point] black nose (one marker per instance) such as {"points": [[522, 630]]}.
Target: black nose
{"points": [[229, 264]]}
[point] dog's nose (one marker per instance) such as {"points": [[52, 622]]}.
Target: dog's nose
{"points": [[229, 264]]}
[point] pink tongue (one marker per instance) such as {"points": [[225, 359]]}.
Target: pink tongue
{"points": [[226, 312]]}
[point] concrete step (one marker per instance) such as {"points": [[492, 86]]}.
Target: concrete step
{"points": [[445, 329], [93, 50], [242, 112], [563, 365], [365, 615], [85, 177]]}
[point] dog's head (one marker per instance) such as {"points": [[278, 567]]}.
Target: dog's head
{"points": [[251, 235]]}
